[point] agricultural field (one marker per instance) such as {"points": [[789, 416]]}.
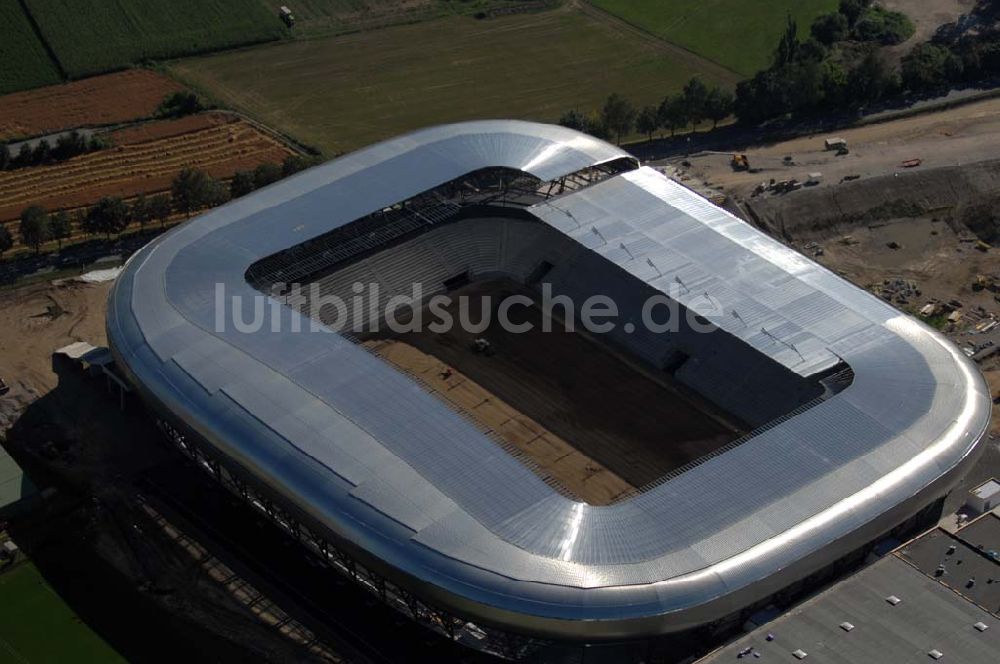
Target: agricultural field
{"points": [[37, 626], [23, 61], [341, 93], [93, 102], [94, 36], [326, 17], [145, 160], [738, 34]]}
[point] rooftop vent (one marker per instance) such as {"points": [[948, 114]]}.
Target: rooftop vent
{"points": [[981, 626], [800, 654], [935, 654], [892, 599], [846, 626]]}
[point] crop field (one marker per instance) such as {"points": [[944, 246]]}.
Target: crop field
{"points": [[145, 160], [739, 34], [23, 61], [102, 100], [94, 36], [37, 626], [341, 93]]}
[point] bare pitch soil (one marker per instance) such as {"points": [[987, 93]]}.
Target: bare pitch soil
{"points": [[616, 416], [102, 100]]}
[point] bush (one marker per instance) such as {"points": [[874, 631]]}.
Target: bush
{"points": [[179, 104], [830, 28], [930, 66], [883, 26]]}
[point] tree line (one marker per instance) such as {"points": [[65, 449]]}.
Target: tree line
{"points": [[836, 67], [66, 147], [618, 117], [190, 191]]}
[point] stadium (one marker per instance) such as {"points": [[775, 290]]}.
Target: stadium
{"points": [[565, 487]]}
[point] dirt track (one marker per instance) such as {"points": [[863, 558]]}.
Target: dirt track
{"points": [[957, 136]]}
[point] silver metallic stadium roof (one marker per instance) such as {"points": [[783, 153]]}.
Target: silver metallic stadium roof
{"points": [[416, 486]]}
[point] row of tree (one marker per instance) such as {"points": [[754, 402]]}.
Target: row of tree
{"points": [[190, 191], [838, 67], [619, 117], [67, 146]]}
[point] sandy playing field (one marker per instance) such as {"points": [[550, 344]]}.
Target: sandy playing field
{"points": [[578, 410]]}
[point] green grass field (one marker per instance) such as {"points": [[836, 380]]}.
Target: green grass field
{"points": [[92, 36], [344, 92], [739, 34], [37, 626], [23, 61]]}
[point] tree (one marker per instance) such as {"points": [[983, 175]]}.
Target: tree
{"points": [[830, 28], [296, 163], [241, 184], [140, 211], [853, 9], [788, 46], [695, 98], [266, 174], [191, 190], [928, 66], [574, 120], [6, 240], [109, 216], [884, 26], [618, 115], [34, 227], [179, 104], [673, 113], [648, 121], [160, 208], [24, 157], [718, 105], [870, 81], [60, 227], [42, 153], [70, 145]]}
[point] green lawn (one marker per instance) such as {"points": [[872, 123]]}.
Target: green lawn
{"points": [[36, 626], [341, 93], [93, 36], [739, 34], [23, 61]]}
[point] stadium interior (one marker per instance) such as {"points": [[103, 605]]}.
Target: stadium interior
{"points": [[668, 401]]}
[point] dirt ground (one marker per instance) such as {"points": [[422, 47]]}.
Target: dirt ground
{"points": [[36, 320], [554, 458], [927, 17], [957, 136], [101, 100], [636, 427]]}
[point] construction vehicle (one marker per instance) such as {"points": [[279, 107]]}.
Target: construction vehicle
{"points": [[739, 162], [285, 14], [835, 144]]}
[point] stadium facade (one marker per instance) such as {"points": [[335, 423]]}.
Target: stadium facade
{"points": [[862, 417]]}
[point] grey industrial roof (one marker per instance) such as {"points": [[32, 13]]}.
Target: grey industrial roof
{"points": [[928, 617], [417, 486], [967, 562]]}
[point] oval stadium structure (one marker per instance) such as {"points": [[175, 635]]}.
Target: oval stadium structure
{"points": [[851, 418]]}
